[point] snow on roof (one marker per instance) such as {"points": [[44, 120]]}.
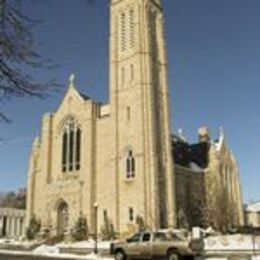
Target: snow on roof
{"points": [[255, 207], [195, 167]]}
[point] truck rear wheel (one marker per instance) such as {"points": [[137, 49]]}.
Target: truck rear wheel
{"points": [[172, 255], [120, 255]]}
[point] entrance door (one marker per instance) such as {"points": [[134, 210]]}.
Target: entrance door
{"points": [[63, 217]]}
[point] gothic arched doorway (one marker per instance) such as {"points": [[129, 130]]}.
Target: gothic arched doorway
{"points": [[63, 217]]}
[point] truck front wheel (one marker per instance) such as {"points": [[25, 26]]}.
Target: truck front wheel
{"points": [[120, 255], [172, 255]]}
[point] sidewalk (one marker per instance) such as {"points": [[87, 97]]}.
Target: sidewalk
{"points": [[48, 255]]}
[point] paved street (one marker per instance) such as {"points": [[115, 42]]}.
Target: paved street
{"points": [[15, 255], [27, 257]]}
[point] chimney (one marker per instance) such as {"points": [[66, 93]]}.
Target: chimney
{"points": [[203, 134]]}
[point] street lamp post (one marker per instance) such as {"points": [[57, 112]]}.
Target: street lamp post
{"points": [[96, 227]]}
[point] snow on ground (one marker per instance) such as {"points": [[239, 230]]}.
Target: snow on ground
{"points": [[55, 255], [3, 241], [46, 250], [220, 242], [86, 244], [54, 251], [94, 256], [232, 242], [16, 242], [13, 252]]}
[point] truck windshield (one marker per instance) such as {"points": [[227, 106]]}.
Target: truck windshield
{"points": [[134, 238]]}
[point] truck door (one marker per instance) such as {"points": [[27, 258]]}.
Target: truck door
{"points": [[133, 245], [159, 244], [145, 246]]}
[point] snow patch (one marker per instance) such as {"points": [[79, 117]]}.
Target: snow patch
{"points": [[15, 242], [46, 250], [90, 244], [54, 251], [232, 242], [92, 256]]}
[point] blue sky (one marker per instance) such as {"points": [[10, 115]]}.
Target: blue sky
{"points": [[214, 60]]}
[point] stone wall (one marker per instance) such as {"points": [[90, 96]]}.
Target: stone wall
{"points": [[190, 194], [223, 188], [253, 219]]}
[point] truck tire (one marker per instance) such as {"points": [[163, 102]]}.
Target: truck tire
{"points": [[119, 255], [197, 245], [172, 255]]}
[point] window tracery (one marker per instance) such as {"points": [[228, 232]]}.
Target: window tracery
{"points": [[127, 29], [71, 145]]}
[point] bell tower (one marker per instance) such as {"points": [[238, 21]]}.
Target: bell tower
{"points": [[139, 98]]}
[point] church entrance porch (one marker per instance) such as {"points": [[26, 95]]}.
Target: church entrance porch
{"points": [[62, 217], [12, 222]]}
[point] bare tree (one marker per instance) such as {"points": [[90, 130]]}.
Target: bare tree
{"points": [[18, 55], [14, 200]]}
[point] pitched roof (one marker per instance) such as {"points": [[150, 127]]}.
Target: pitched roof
{"points": [[85, 97], [186, 154], [255, 207]]}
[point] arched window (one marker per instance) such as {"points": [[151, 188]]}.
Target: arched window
{"points": [[105, 215], [131, 28], [71, 146], [123, 75], [123, 31], [64, 151], [127, 29], [128, 113], [130, 165], [78, 148], [131, 214], [132, 72]]}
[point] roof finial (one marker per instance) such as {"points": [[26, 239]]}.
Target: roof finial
{"points": [[180, 131], [221, 132], [72, 80], [181, 135]]}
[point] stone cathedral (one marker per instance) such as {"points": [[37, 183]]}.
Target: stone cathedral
{"points": [[122, 156]]}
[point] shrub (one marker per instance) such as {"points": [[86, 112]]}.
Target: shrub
{"points": [[33, 229], [107, 230], [140, 223], [80, 230]]}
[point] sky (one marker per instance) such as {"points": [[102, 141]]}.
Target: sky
{"points": [[213, 49]]}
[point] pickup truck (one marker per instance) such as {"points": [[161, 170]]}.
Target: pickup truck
{"points": [[153, 245]]}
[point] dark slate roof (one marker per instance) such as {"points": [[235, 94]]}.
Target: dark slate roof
{"points": [[185, 154], [85, 97]]}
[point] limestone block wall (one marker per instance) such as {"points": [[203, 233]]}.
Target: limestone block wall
{"points": [[105, 174], [253, 219], [47, 183], [190, 194], [223, 191]]}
